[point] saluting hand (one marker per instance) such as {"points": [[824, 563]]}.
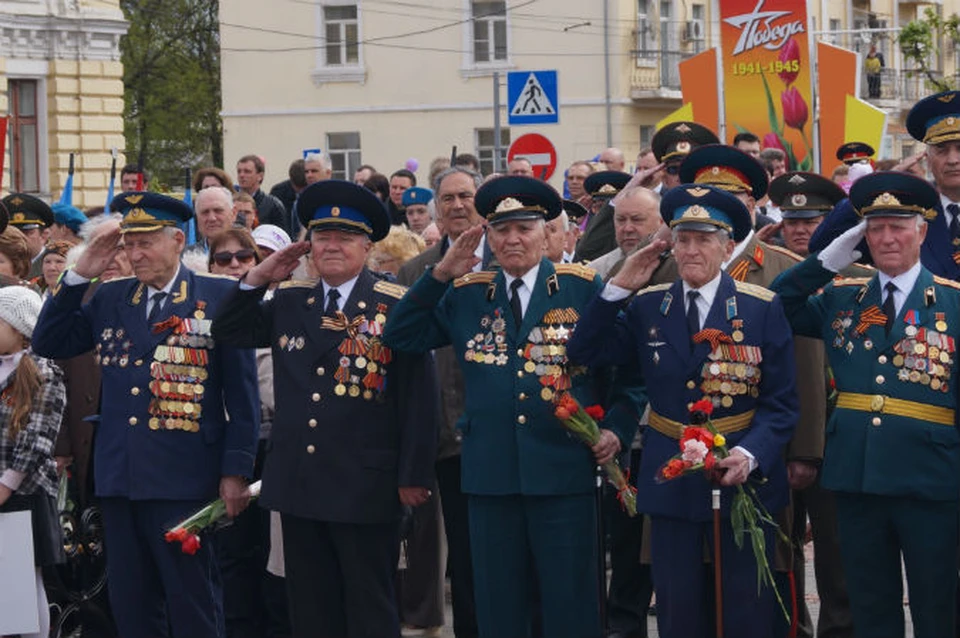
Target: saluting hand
{"points": [[459, 258], [638, 267], [768, 231], [643, 177], [277, 266], [101, 249]]}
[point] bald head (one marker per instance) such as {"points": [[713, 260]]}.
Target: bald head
{"points": [[636, 218], [612, 158]]}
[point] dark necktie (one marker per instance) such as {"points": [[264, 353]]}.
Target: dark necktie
{"points": [[889, 308], [954, 211], [693, 315], [157, 301], [332, 306], [515, 302]]}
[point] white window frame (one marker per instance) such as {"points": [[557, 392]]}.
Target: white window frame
{"points": [[340, 72], [470, 68], [651, 57], [349, 169], [481, 150], [37, 70]]}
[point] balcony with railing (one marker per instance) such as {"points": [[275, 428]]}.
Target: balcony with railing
{"points": [[656, 75]]}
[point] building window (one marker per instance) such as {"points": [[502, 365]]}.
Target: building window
{"points": [[646, 134], [646, 47], [343, 149], [341, 29], [486, 148], [697, 28], [24, 127], [489, 18]]}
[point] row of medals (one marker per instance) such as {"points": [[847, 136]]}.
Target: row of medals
{"points": [[722, 380], [547, 356], [113, 349], [920, 361], [178, 389], [353, 389], [482, 347]]}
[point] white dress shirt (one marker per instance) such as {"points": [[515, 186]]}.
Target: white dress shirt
{"points": [[344, 289], [904, 282], [708, 292], [526, 290]]}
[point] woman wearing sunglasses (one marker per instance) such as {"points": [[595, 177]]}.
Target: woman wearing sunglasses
{"points": [[233, 252]]}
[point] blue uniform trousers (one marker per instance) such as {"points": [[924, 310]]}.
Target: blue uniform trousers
{"points": [[874, 532], [684, 583], [550, 540], [155, 589]]}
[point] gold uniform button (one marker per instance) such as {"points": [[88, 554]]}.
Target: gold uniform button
{"points": [[316, 397], [519, 374], [876, 420], [882, 359], [134, 391], [133, 420], [691, 385], [521, 419], [880, 378], [523, 396], [312, 423], [321, 372], [311, 449]]}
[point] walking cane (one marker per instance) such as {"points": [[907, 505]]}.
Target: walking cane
{"points": [[717, 578], [601, 553]]}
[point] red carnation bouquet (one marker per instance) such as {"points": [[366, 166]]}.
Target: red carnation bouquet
{"points": [[582, 421], [187, 532], [701, 446]]}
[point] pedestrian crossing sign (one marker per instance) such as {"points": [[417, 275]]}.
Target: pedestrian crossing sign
{"points": [[532, 98]]}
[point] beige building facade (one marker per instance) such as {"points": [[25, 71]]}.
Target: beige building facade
{"points": [[61, 86], [379, 81]]}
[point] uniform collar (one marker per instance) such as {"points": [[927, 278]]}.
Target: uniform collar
{"points": [[904, 282], [344, 289], [151, 291], [708, 291], [529, 279]]}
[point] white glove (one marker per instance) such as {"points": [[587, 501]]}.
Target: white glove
{"points": [[842, 251]]}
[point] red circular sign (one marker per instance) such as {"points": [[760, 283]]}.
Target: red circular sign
{"points": [[538, 150]]}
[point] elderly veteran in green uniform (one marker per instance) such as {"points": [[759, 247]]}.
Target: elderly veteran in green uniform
{"points": [[529, 485], [893, 450], [355, 430], [33, 217]]}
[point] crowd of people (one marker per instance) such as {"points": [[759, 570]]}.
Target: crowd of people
{"points": [[388, 360]]}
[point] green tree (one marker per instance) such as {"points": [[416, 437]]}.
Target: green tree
{"points": [[920, 40], [171, 77]]}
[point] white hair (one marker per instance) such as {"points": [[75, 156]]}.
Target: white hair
{"points": [[221, 191], [195, 259], [318, 158], [89, 227], [722, 235], [432, 208]]}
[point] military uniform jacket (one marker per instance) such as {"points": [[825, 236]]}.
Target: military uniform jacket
{"points": [[759, 264], [873, 449], [754, 373], [354, 420], [512, 442], [166, 388]]}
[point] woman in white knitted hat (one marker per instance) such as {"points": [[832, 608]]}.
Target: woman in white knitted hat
{"points": [[32, 400]]}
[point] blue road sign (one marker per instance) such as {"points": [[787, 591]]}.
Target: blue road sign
{"points": [[532, 98]]}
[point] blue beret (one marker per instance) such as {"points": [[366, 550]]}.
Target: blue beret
{"points": [[69, 216], [416, 195]]}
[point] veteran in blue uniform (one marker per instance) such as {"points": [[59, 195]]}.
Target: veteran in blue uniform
{"points": [[529, 484], [355, 430], [705, 336], [164, 446], [893, 451]]}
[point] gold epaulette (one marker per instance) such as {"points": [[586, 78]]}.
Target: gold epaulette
{"points": [[213, 276], [390, 289], [655, 288], [578, 270], [783, 251], [946, 282], [851, 281], [482, 277], [297, 283], [755, 291]]}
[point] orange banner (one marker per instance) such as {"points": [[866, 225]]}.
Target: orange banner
{"points": [[767, 87], [837, 79]]}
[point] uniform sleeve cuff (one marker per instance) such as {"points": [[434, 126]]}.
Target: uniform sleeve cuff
{"points": [[611, 292], [71, 278], [749, 455]]}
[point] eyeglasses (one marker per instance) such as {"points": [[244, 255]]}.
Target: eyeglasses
{"points": [[244, 256]]}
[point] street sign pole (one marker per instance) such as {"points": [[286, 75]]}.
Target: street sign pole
{"points": [[497, 150]]}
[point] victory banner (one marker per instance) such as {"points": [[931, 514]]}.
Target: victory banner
{"points": [[767, 75]]}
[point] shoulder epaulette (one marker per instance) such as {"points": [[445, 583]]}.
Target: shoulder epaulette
{"points": [[482, 277], [783, 251], [755, 291], [297, 283], [390, 289], [946, 282], [655, 288], [578, 270], [213, 276], [851, 281]]}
